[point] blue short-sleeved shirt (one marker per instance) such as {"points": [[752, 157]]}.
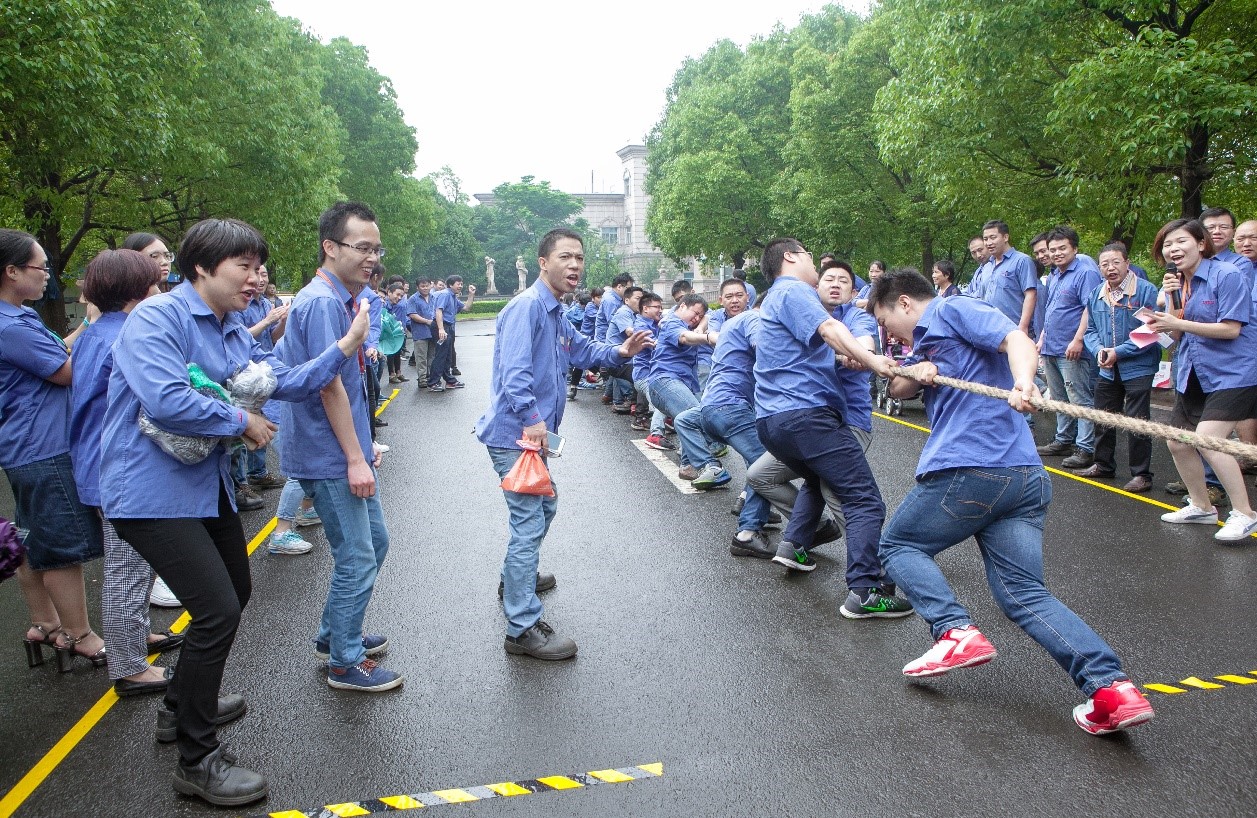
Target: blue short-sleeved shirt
{"points": [[1241, 263], [794, 367], [1219, 292], [89, 395], [854, 382], [533, 350], [34, 412], [673, 359], [621, 324], [257, 310], [400, 311], [422, 307], [715, 320], [1066, 299], [590, 320], [732, 378], [1007, 280], [611, 301], [641, 361], [447, 303], [319, 316], [962, 336], [158, 340]]}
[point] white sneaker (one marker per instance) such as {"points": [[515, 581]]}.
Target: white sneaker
{"points": [[289, 542], [1191, 514], [307, 517], [382, 448], [1238, 526], [162, 596]]}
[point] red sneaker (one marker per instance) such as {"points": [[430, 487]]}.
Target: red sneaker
{"points": [[1113, 708], [958, 647]]}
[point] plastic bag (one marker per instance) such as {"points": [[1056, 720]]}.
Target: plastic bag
{"points": [[252, 386], [529, 475], [249, 390], [12, 549]]}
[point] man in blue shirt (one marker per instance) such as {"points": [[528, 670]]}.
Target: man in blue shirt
{"points": [[619, 327], [735, 298], [1220, 225], [532, 350], [649, 310], [980, 476], [673, 381], [422, 317], [446, 306], [800, 415], [1069, 370], [1007, 280], [266, 324], [327, 446], [976, 285], [612, 300]]}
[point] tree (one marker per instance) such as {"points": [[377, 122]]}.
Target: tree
{"points": [[521, 213], [454, 249]]}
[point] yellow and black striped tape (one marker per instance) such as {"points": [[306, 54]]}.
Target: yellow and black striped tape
{"points": [[463, 795], [1195, 683]]}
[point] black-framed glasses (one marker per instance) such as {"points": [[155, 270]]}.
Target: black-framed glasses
{"points": [[365, 249]]}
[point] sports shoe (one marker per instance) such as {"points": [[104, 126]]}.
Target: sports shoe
{"points": [[720, 453], [874, 604], [541, 642], [1191, 514], [454, 384], [571, 393], [247, 499], [687, 473], [621, 408], [1113, 708], [957, 648], [289, 542], [660, 442], [436, 387], [307, 517], [267, 480], [372, 643], [711, 477], [1177, 488], [794, 559], [640, 425], [757, 546], [366, 676], [1238, 526], [162, 596], [1055, 448]]}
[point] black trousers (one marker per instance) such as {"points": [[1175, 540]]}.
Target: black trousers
{"points": [[205, 562], [1131, 398]]}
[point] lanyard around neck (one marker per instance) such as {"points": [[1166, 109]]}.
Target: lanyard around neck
{"points": [[351, 309]]}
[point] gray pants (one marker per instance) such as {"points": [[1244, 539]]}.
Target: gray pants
{"points": [[771, 479], [425, 351], [124, 606]]}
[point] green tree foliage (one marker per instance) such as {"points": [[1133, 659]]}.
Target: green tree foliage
{"points": [[521, 213], [454, 250]]}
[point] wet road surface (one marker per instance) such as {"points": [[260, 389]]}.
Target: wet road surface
{"points": [[741, 680]]}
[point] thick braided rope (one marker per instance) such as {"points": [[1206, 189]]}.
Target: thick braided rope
{"points": [[1137, 426]]}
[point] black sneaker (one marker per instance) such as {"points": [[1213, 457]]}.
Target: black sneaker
{"points": [[247, 499], [1055, 448], [796, 559], [828, 531], [218, 780], [544, 583], [757, 546], [874, 604], [230, 707], [456, 372], [1078, 460], [541, 642]]}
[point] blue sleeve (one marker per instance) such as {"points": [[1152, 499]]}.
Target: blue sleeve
{"points": [[300, 382], [514, 361], [376, 306], [1025, 273], [586, 353], [802, 313], [31, 349], [980, 324], [1234, 294], [861, 323], [1091, 338]]}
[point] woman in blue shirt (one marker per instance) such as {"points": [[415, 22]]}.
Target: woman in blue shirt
{"points": [[182, 517], [1217, 368], [60, 532], [944, 277]]}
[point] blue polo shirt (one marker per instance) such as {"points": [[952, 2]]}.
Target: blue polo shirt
{"points": [[1007, 280], [715, 320], [34, 412], [673, 359], [1110, 328], [319, 316], [575, 314], [1067, 294], [962, 336], [93, 361], [641, 361], [447, 303], [590, 320], [854, 382], [732, 378], [1219, 292], [621, 324], [400, 311], [611, 301], [422, 307], [158, 340], [1241, 263], [794, 367], [533, 350]]}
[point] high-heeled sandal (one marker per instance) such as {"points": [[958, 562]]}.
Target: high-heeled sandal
{"points": [[35, 647], [67, 653]]}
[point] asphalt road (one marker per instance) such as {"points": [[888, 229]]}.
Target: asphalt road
{"points": [[741, 680]]}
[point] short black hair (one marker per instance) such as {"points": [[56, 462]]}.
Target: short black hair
{"points": [[829, 260], [692, 300], [552, 238], [729, 281], [649, 298], [212, 241], [775, 255], [1215, 212], [115, 278], [333, 220], [596, 292], [739, 274], [422, 280], [397, 286], [16, 247], [1001, 226], [946, 267], [450, 281], [621, 279], [902, 281], [631, 289], [681, 286], [1065, 232], [1040, 237], [138, 241], [1115, 247]]}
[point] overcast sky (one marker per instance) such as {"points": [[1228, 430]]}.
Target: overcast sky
{"points": [[551, 89]]}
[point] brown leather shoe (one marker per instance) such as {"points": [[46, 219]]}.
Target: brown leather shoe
{"points": [[1095, 471], [687, 473], [1138, 483]]}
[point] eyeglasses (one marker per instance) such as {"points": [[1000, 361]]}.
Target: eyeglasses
{"points": [[47, 268], [365, 249], [157, 255]]}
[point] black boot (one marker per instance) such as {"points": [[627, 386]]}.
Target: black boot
{"points": [[218, 780]]}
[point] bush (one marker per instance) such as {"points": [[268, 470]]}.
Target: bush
{"points": [[479, 307]]}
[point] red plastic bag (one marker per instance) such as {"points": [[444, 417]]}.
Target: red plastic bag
{"points": [[529, 475]]}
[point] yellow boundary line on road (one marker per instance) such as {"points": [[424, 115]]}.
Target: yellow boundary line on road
{"points": [[22, 790], [1196, 683]]}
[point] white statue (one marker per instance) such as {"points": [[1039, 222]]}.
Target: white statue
{"points": [[488, 274], [522, 271]]}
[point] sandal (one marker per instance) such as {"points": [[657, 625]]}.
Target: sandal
{"points": [[35, 647], [67, 653]]}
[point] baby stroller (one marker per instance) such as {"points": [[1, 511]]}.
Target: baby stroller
{"points": [[899, 352]]}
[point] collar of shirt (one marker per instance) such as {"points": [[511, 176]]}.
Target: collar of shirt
{"points": [[923, 323], [337, 287], [1126, 289], [196, 305]]}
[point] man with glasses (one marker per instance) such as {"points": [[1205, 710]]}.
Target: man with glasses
{"points": [[340, 475], [1220, 225]]}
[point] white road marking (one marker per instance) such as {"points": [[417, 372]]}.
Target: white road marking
{"points": [[665, 465]]}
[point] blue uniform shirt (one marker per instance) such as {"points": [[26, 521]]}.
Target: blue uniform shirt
{"points": [[160, 337], [732, 378], [1241, 263], [855, 382], [575, 314], [447, 303], [377, 306], [673, 359], [1219, 292], [1110, 328], [962, 336], [641, 361], [1066, 300], [590, 320], [715, 320], [621, 325], [400, 311], [93, 361], [1006, 282], [319, 316], [34, 412], [750, 294], [257, 310], [423, 308], [794, 367], [611, 301], [532, 353]]}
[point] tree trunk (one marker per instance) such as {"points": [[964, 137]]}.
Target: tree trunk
{"points": [[927, 253], [49, 237], [739, 260], [1195, 171]]}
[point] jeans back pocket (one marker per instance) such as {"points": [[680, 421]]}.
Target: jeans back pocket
{"points": [[974, 493]]}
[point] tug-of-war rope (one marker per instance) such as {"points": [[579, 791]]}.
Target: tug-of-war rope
{"points": [[1235, 448]]}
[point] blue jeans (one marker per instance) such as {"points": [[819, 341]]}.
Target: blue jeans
{"points": [[359, 542], [1004, 510], [817, 445], [1073, 381], [734, 424], [530, 518], [672, 397], [657, 418], [290, 498]]}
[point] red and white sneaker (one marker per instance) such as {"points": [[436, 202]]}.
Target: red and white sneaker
{"points": [[1113, 708], [958, 647]]}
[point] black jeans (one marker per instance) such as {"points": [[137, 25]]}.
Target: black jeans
{"points": [[443, 362], [205, 562], [1131, 397]]}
